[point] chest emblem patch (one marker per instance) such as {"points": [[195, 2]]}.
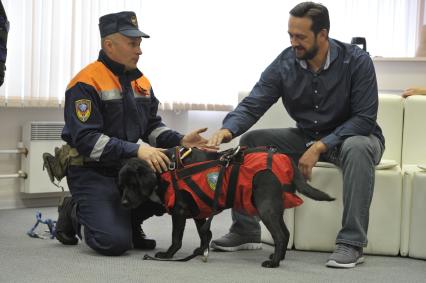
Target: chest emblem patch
{"points": [[212, 180], [83, 109]]}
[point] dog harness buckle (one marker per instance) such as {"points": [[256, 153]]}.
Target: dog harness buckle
{"points": [[227, 157], [172, 166], [186, 153], [237, 149]]}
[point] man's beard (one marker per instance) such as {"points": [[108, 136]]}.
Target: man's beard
{"points": [[310, 53]]}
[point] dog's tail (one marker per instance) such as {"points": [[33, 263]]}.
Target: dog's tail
{"points": [[304, 188]]}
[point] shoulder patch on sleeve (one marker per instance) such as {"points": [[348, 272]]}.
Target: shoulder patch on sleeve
{"points": [[83, 109]]}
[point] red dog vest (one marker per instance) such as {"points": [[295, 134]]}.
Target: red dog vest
{"points": [[201, 185]]}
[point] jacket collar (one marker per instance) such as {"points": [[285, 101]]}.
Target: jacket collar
{"points": [[117, 68]]}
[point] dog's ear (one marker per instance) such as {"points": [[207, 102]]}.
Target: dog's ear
{"points": [[147, 178], [143, 167]]}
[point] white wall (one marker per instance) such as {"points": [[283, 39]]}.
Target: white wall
{"points": [[396, 74], [11, 133]]}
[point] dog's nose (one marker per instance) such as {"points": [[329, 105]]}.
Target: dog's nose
{"points": [[124, 202]]}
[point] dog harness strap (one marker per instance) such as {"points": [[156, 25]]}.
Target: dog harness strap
{"points": [[189, 171], [232, 184], [199, 192], [256, 149], [175, 188], [269, 160], [288, 189], [179, 156], [217, 190]]}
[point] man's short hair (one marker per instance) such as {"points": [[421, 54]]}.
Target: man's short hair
{"points": [[318, 13]]}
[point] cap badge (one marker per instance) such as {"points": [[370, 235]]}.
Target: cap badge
{"points": [[134, 21]]}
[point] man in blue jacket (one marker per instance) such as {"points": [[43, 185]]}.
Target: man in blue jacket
{"points": [[109, 106], [329, 88]]}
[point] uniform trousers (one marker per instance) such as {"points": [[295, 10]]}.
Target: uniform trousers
{"points": [[107, 225]]}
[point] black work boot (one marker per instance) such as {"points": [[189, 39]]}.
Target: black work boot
{"points": [[140, 242], [65, 232]]}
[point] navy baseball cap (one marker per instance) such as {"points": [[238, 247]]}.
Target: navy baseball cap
{"points": [[123, 22]]}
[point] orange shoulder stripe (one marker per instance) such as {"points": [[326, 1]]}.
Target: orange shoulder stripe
{"points": [[98, 76]]}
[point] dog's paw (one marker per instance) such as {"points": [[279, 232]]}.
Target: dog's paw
{"points": [[202, 251], [163, 255], [271, 256], [270, 264]]}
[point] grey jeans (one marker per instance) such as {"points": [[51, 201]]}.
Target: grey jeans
{"points": [[356, 156]]}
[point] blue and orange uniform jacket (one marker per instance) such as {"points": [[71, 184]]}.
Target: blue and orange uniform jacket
{"points": [[203, 192], [107, 110]]}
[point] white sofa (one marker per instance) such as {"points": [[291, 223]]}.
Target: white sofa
{"points": [[317, 223], [413, 230], [398, 208]]}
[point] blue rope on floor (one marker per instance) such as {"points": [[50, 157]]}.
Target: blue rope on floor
{"points": [[48, 233]]}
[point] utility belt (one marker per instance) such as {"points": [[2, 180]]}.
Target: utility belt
{"points": [[66, 156]]}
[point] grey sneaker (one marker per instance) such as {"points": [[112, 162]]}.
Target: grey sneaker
{"points": [[345, 256], [234, 242]]}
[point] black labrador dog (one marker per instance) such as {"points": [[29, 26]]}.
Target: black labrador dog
{"points": [[139, 184]]}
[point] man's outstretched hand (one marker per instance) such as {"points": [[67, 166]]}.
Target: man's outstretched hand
{"points": [[194, 139], [220, 136]]}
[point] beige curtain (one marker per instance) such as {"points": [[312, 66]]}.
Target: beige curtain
{"points": [[49, 42], [200, 54], [421, 39]]}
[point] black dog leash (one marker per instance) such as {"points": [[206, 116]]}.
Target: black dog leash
{"points": [[191, 256], [148, 257]]}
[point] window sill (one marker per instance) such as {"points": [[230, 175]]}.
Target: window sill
{"points": [[399, 59], [29, 103], [187, 106], [168, 106]]}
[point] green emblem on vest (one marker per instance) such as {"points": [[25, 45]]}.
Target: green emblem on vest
{"points": [[212, 180]]}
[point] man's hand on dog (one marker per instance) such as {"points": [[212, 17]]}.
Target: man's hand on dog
{"points": [[310, 158], [220, 136], [155, 157], [194, 139]]}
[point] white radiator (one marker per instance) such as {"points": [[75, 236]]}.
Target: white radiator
{"points": [[40, 137]]}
